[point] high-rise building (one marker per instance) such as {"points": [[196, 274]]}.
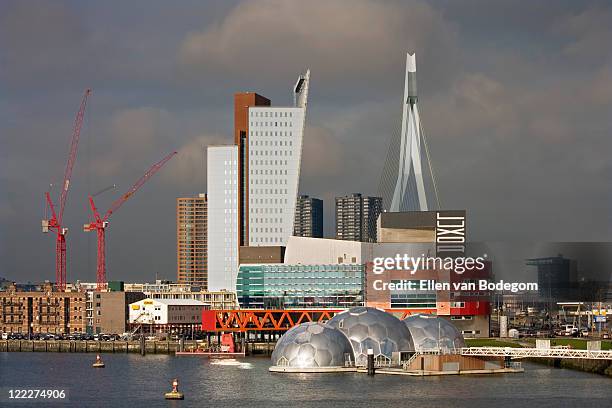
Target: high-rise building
{"points": [[223, 226], [253, 185], [242, 102], [356, 217], [191, 240], [308, 217], [275, 150]]}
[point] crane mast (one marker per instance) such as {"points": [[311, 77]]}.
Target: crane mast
{"points": [[55, 223]]}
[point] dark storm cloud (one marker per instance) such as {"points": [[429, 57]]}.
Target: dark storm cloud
{"points": [[515, 101]]}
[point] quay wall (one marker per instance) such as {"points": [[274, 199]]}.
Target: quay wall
{"points": [[602, 367], [83, 346]]}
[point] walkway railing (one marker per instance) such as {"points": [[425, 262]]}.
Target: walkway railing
{"points": [[520, 352]]}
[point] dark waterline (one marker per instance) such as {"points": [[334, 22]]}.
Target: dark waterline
{"points": [[134, 381]]}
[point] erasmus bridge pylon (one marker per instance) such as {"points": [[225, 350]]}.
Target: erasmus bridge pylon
{"points": [[408, 182]]}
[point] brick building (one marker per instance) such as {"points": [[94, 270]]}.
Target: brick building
{"points": [[44, 311]]}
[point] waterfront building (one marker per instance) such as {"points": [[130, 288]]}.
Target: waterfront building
{"points": [[274, 158], [468, 310], [356, 217], [166, 290], [278, 286], [223, 229], [308, 217], [191, 240], [45, 311], [167, 315]]}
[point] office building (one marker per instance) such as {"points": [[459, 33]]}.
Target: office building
{"points": [[274, 156], [242, 102], [308, 217], [356, 217], [253, 185], [191, 240], [223, 229]]}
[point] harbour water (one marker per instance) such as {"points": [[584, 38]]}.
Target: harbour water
{"points": [[131, 380]]}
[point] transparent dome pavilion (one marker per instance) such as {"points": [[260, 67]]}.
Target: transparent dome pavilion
{"points": [[431, 332], [312, 345], [371, 328]]}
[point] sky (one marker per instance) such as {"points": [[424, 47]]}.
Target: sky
{"points": [[515, 98]]}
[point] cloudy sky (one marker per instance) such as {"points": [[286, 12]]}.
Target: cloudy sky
{"points": [[516, 100]]}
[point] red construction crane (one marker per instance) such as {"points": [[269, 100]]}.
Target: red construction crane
{"points": [[100, 223], [55, 223]]}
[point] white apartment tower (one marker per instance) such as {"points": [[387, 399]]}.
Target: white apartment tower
{"points": [[223, 228], [275, 151]]}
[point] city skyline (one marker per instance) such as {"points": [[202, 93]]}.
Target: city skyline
{"points": [[510, 148]]}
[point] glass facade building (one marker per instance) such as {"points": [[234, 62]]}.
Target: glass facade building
{"points": [[300, 286]]}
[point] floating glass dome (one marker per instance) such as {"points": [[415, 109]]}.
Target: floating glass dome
{"points": [[312, 345], [431, 332], [370, 328]]}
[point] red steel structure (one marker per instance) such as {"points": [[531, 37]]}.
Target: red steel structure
{"points": [[100, 223], [253, 320], [55, 223]]}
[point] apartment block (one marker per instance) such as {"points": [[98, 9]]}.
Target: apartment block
{"points": [[308, 217], [192, 240], [356, 217], [43, 311]]}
